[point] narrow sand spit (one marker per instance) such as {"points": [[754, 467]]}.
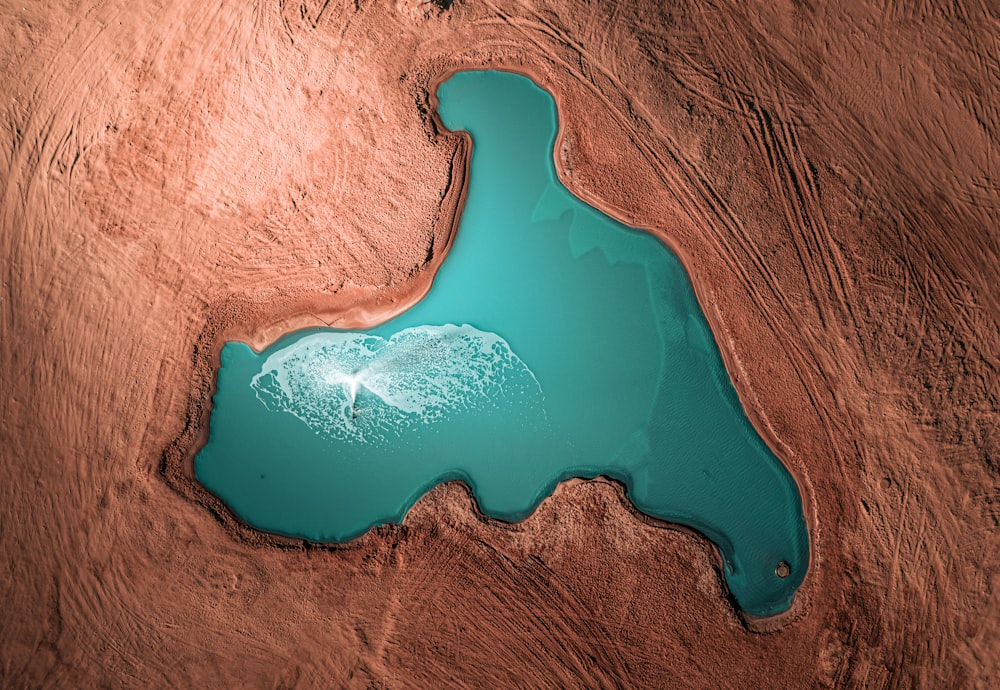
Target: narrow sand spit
{"points": [[175, 177]]}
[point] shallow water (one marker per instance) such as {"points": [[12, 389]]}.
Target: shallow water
{"points": [[554, 343]]}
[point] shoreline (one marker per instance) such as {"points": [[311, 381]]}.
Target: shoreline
{"points": [[359, 307]]}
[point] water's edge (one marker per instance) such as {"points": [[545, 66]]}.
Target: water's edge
{"points": [[382, 308]]}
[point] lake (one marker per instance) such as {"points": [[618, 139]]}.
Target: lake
{"points": [[555, 342]]}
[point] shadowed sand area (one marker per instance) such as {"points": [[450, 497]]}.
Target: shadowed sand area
{"points": [[178, 175]]}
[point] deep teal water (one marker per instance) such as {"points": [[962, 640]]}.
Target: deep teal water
{"points": [[554, 343]]}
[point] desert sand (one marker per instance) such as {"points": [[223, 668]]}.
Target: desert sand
{"points": [[178, 175]]}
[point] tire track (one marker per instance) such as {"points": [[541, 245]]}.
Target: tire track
{"points": [[763, 138], [571, 647]]}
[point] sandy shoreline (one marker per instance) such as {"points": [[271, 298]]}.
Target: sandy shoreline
{"points": [[361, 309]]}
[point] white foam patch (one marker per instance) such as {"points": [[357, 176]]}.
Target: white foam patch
{"points": [[363, 388]]}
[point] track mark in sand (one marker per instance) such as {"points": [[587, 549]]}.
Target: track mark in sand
{"points": [[575, 645], [814, 217], [784, 184], [307, 15], [319, 14]]}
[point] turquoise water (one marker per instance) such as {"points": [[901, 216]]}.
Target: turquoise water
{"points": [[554, 343]]}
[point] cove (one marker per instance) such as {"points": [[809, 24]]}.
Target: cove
{"points": [[555, 342]]}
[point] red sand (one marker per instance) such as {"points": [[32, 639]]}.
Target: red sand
{"points": [[174, 177]]}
